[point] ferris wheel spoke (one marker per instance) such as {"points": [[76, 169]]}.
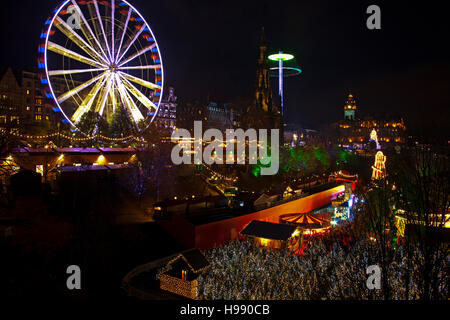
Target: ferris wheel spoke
{"points": [[142, 82], [123, 34], [78, 40], [102, 28], [137, 54], [104, 97], [89, 29], [155, 66], [81, 87], [73, 55], [113, 39], [87, 103], [139, 95], [129, 103], [113, 95], [132, 41], [64, 72]]}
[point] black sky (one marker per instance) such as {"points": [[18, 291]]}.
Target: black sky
{"points": [[209, 48]]}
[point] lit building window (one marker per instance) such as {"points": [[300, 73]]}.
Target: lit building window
{"points": [[38, 117]]}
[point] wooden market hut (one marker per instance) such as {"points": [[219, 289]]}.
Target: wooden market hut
{"points": [[271, 234], [182, 274]]}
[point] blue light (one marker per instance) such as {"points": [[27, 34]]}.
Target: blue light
{"points": [[41, 49], [145, 28], [139, 19], [65, 121], [151, 113], [44, 81], [48, 22], [56, 109], [41, 65], [157, 61], [155, 49], [43, 35], [158, 72], [158, 94], [123, 3], [151, 40], [49, 96]]}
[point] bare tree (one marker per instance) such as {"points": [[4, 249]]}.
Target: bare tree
{"points": [[422, 181], [378, 218]]}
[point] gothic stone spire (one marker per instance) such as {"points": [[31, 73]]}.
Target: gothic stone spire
{"points": [[263, 92]]}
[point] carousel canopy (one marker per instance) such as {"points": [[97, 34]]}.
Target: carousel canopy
{"points": [[306, 219]]}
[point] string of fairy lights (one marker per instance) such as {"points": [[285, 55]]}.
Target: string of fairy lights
{"points": [[64, 136]]}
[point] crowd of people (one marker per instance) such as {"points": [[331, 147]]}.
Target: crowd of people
{"points": [[243, 269]]}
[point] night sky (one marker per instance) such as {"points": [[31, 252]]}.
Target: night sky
{"points": [[209, 48]]}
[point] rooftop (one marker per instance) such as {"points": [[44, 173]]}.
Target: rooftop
{"points": [[268, 230]]}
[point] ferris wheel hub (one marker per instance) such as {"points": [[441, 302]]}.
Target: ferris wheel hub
{"points": [[113, 68]]}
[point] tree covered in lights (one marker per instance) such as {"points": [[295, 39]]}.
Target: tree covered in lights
{"points": [[304, 160], [295, 162]]}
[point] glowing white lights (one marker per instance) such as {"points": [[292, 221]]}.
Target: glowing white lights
{"points": [[110, 61]]}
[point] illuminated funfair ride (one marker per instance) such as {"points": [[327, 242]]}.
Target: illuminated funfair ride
{"points": [[379, 167], [309, 223], [283, 72], [101, 57], [374, 137]]}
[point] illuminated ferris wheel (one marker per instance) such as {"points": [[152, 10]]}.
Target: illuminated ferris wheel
{"points": [[100, 61]]}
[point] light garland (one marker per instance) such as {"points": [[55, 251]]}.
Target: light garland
{"points": [[62, 135]]}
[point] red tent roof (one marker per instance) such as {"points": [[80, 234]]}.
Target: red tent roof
{"points": [[305, 219]]}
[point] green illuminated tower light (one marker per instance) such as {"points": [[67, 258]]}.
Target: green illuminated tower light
{"points": [[281, 57]]}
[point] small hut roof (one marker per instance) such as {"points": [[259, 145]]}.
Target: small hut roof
{"points": [[194, 259], [268, 230]]}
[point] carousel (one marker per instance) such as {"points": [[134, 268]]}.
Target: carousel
{"points": [[310, 223]]}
